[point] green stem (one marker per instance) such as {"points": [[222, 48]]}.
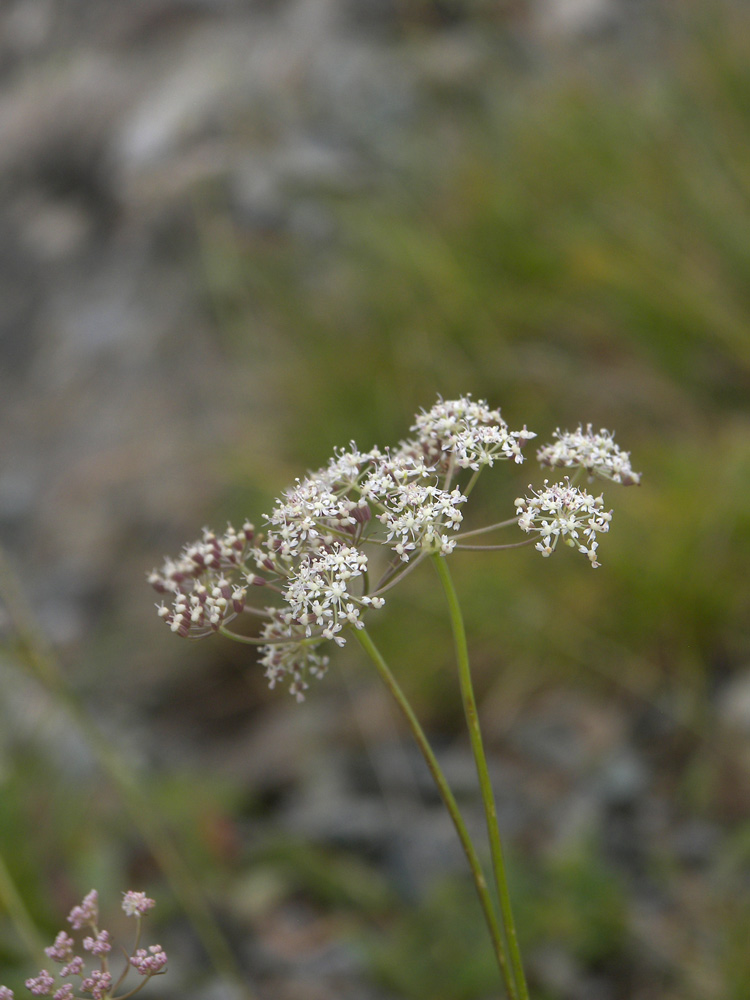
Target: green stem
{"points": [[494, 548], [13, 904], [472, 482], [489, 527], [485, 783], [450, 803]]}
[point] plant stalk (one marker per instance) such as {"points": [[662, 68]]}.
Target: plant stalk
{"points": [[450, 803], [485, 783]]}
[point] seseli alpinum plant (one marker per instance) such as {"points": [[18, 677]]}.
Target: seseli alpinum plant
{"points": [[339, 539], [96, 983]]}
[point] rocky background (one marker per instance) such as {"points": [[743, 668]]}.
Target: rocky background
{"points": [[178, 180]]}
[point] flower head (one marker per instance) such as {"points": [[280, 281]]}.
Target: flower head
{"points": [[596, 453], [564, 511], [289, 655], [203, 599], [318, 591], [135, 904], [417, 515], [470, 431], [41, 985], [87, 913], [73, 968], [62, 949], [307, 516], [98, 984], [148, 963], [98, 945]]}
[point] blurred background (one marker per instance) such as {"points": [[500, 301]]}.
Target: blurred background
{"points": [[237, 233]]}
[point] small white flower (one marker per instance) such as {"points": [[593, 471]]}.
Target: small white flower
{"points": [[294, 657], [564, 511], [417, 513], [135, 904], [596, 453], [469, 431], [317, 591]]}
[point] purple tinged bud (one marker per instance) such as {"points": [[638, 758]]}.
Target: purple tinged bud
{"points": [[258, 581], [361, 513], [73, 968], [41, 986]]}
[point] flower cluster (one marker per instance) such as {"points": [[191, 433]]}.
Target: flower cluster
{"points": [[468, 433], [203, 597], [403, 503], [563, 511], [596, 453], [97, 984]]}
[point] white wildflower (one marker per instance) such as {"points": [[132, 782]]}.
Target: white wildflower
{"points": [[561, 510], [470, 431], [306, 516], [203, 598], [416, 516], [289, 655], [318, 591], [346, 467], [596, 453]]}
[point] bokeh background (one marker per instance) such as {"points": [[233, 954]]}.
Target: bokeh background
{"points": [[237, 233]]}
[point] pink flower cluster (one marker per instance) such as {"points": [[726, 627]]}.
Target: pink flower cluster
{"points": [[94, 983], [148, 963]]}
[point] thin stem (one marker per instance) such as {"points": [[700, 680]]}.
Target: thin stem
{"points": [[250, 610], [139, 987], [133, 950], [250, 640], [490, 527], [449, 474], [393, 569], [495, 548], [12, 902], [472, 482], [485, 783], [384, 586], [450, 803], [33, 651]]}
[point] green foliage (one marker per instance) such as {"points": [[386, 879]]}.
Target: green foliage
{"points": [[734, 953], [328, 878], [577, 902], [435, 950]]}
